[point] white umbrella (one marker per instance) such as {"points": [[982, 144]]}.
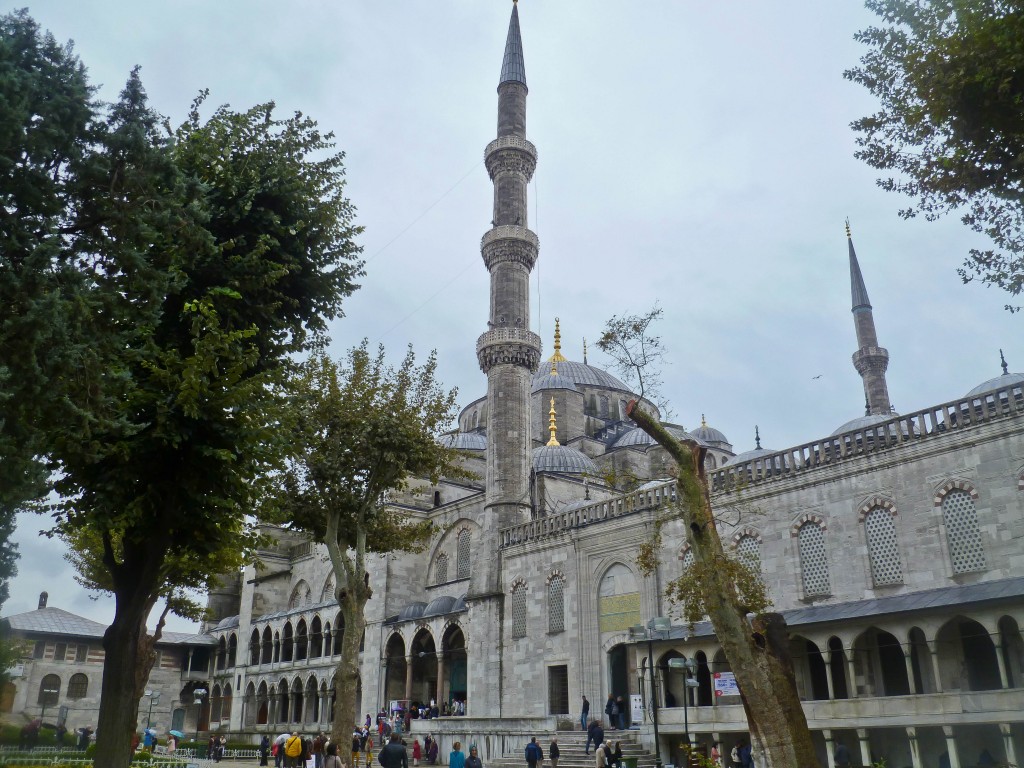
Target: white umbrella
{"points": [[282, 738]]}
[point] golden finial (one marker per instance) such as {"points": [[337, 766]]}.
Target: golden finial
{"points": [[558, 357], [703, 423], [554, 368], [552, 428], [848, 228]]}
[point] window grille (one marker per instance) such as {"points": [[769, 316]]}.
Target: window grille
{"points": [[687, 559], [519, 611], [749, 550], [813, 561], [462, 555], [78, 686], [49, 691], [558, 690], [441, 569], [883, 548], [962, 532], [556, 604]]}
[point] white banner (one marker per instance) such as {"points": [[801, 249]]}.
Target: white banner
{"points": [[725, 684], [636, 708]]}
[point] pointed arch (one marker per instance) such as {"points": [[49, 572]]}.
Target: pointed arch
{"points": [[301, 595], [618, 598], [814, 569], [254, 647], [556, 602], [957, 499], [518, 608], [327, 593], [267, 646], [287, 642], [441, 568], [316, 639], [883, 544], [463, 545]]}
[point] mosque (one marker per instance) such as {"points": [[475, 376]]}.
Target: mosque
{"points": [[893, 544]]}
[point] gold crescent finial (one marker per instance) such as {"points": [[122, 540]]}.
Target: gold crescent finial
{"points": [[552, 427], [554, 368], [848, 228], [558, 357], [702, 422]]}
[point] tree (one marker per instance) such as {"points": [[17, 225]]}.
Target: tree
{"points": [[723, 588], [949, 75], [361, 432], [183, 272]]}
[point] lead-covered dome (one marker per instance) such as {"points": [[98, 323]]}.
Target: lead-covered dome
{"points": [[562, 458], [552, 381], [583, 374], [636, 437], [999, 382], [464, 441], [709, 435]]}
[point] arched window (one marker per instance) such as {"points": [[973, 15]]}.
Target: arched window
{"points": [[216, 703], [813, 561], [49, 691], [301, 641], [315, 639], [225, 710], [883, 549], [962, 532], [267, 655], [339, 632], [462, 555], [254, 647], [556, 603], [618, 599], [519, 610], [277, 647], [328, 644], [232, 650], [748, 549], [441, 569], [222, 653], [78, 686], [604, 406], [301, 595], [327, 593], [286, 643], [687, 559]]}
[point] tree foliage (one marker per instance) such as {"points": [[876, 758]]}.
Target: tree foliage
{"points": [[949, 76], [174, 275], [360, 432]]}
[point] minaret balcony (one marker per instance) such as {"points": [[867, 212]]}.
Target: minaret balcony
{"points": [[508, 346], [509, 243], [510, 154]]}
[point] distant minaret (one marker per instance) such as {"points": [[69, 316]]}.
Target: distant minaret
{"points": [[870, 360], [509, 352]]}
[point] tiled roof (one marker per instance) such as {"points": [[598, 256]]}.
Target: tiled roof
{"points": [[56, 621]]}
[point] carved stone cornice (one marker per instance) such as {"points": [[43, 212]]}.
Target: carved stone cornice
{"points": [[508, 346], [871, 360], [509, 250]]}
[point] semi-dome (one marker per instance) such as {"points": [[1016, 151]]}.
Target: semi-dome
{"points": [[581, 373], [562, 458], [1006, 380], [464, 441]]}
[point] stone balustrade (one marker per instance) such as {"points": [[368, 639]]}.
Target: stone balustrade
{"points": [[511, 142], [509, 232]]}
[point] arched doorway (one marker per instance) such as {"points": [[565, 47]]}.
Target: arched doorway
{"points": [[424, 667], [879, 659], [453, 644], [394, 668], [622, 677], [967, 656]]}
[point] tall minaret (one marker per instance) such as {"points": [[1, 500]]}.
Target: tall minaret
{"points": [[509, 352], [870, 360]]}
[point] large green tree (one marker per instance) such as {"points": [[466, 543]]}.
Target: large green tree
{"points": [[179, 274], [361, 431], [949, 77]]}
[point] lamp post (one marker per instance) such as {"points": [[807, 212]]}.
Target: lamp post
{"points": [[154, 698], [688, 666], [658, 626], [198, 694]]}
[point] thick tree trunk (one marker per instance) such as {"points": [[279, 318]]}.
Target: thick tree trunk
{"points": [[346, 679], [758, 651]]}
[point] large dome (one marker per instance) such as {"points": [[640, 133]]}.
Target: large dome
{"points": [[1006, 380], [562, 458], [581, 373], [552, 381]]}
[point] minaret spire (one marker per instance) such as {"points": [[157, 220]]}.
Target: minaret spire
{"points": [[558, 357], [552, 426], [870, 360], [509, 352]]}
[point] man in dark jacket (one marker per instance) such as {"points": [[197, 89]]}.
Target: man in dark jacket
{"points": [[595, 733], [585, 714], [534, 754], [393, 755], [612, 710]]}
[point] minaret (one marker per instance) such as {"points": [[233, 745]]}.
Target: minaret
{"points": [[509, 352], [870, 360]]}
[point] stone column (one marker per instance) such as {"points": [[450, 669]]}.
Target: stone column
{"points": [[954, 757], [910, 673], [915, 748], [865, 746], [440, 678], [1004, 679], [829, 748], [408, 677], [1008, 746], [934, 655], [851, 684], [828, 676]]}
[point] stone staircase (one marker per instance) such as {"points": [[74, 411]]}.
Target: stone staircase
{"points": [[570, 744]]}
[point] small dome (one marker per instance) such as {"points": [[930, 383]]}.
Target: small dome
{"points": [[638, 438], [460, 605], [227, 623], [464, 441], [552, 381], [439, 606], [1006, 380], [708, 434], [562, 458], [411, 611], [751, 455], [862, 423]]}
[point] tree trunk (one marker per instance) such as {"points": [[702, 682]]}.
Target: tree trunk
{"points": [[346, 679], [757, 651]]}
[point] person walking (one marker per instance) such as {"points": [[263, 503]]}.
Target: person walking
{"points": [[620, 710], [456, 758], [417, 752], [716, 754], [842, 755], [595, 734], [473, 761], [265, 750], [746, 755], [293, 750], [584, 714], [553, 753], [393, 755], [534, 754]]}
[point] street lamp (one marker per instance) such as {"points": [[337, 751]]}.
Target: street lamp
{"points": [[658, 627], [198, 694], [154, 698], [688, 666]]}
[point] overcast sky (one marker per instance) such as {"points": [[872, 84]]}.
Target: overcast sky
{"points": [[697, 155]]}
